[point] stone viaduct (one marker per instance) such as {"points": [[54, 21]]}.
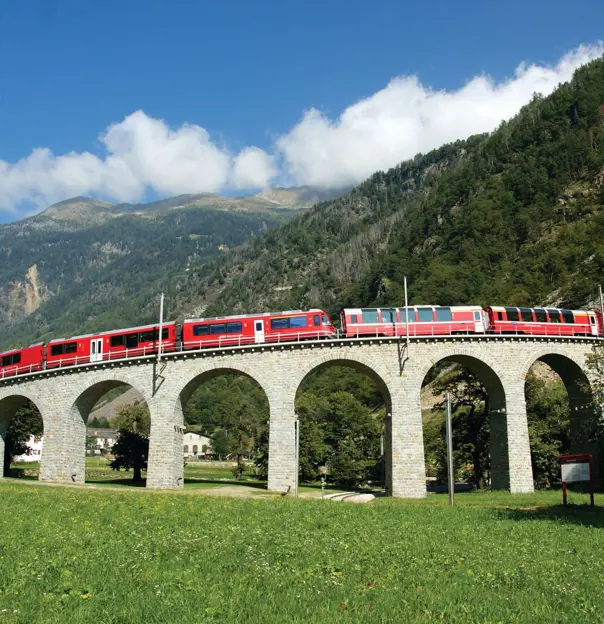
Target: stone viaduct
{"points": [[66, 396]]}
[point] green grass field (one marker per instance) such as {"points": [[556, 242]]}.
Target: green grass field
{"points": [[77, 555], [198, 475]]}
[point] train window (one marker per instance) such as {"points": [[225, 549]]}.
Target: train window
{"points": [[444, 314], [14, 358], [512, 314], [540, 315], [388, 315], [500, 316], [66, 347], [200, 330], [477, 315], [280, 323], [117, 341], [298, 321], [354, 318], [220, 328], [234, 328], [526, 314], [131, 340], [316, 320], [425, 315], [326, 321], [404, 315], [568, 317], [149, 336], [370, 316], [592, 320], [554, 316]]}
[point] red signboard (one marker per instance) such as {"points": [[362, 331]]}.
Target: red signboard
{"points": [[576, 468]]}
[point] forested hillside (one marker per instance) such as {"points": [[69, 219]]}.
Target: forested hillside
{"points": [[513, 217], [86, 265]]}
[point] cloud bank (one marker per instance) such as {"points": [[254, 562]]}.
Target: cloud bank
{"points": [[406, 117]]}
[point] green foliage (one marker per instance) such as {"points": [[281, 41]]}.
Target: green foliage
{"points": [[99, 423], [131, 452], [341, 421], [549, 428], [131, 449], [133, 417], [25, 423]]}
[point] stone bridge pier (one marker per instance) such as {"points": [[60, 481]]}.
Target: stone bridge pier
{"points": [[65, 398]]}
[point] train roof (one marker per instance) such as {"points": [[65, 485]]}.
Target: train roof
{"points": [[16, 349], [415, 305], [113, 331], [502, 308], [260, 314]]}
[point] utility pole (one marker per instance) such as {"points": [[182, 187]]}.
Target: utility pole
{"points": [[450, 451], [161, 323], [406, 316]]}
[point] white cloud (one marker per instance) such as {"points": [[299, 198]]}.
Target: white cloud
{"points": [[142, 153], [252, 168], [404, 118]]}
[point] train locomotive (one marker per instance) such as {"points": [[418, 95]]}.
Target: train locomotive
{"points": [[294, 325]]}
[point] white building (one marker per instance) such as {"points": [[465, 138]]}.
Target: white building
{"points": [[99, 439], [195, 444], [34, 444]]}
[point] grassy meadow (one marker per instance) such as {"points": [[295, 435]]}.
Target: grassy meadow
{"points": [[78, 555]]}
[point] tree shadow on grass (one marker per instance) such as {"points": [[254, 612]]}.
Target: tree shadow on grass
{"points": [[200, 481], [584, 515], [119, 482]]}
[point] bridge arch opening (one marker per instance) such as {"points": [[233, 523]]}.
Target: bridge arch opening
{"points": [[479, 419], [342, 407], [21, 437], [226, 414], [107, 413], [562, 415]]}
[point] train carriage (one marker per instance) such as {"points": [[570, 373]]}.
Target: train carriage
{"points": [[423, 321], [22, 361], [109, 345], [256, 328], [543, 321]]}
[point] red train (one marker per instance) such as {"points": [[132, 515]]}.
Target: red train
{"points": [[296, 325], [192, 334], [443, 320]]}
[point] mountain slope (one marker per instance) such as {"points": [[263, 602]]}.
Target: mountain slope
{"points": [[513, 217], [86, 265]]}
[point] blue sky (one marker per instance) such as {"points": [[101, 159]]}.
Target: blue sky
{"points": [[223, 90]]}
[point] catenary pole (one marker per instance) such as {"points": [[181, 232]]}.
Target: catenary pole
{"points": [[161, 323], [601, 329], [406, 315], [450, 452]]}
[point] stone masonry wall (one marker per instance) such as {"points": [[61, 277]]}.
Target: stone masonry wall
{"points": [[65, 398]]}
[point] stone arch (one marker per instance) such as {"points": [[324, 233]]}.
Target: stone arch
{"points": [[368, 366], [190, 382], [354, 360], [78, 405], [489, 374], [10, 403], [93, 387], [583, 407]]}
